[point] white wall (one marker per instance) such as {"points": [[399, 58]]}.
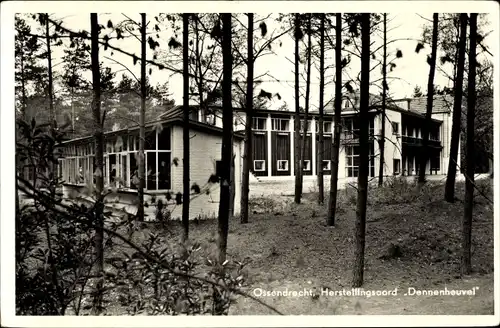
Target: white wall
{"points": [[205, 150], [445, 135], [393, 143]]}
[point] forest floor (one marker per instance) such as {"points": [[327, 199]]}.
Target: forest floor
{"points": [[413, 240]]}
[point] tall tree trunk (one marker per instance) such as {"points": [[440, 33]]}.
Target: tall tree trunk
{"points": [[298, 162], [306, 114], [99, 150], [321, 141], [142, 124], [52, 119], [227, 138], [232, 188], [449, 192], [247, 156], [470, 154], [49, 66], [185, 131], [198, 64], [72, 113], [334, 166], [359, 260], [424, 153], [24, 115], [384, 100]]}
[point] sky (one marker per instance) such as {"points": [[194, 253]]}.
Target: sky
{"points": [[412, 69]]}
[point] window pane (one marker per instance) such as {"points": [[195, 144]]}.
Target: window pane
{"points": [[151, 171], [164, 139], [356, 160], [134, 173], [112, 168], [131, 142], [125, 142], [164, 171], [123, 171], [150, 142], [262, 123]]}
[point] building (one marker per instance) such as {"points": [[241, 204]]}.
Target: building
{"points": [[273, 139], [272, 151], [163, 162]]}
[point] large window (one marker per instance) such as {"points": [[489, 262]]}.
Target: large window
{"points": [[350, 127], [434, 133], [309, 123], [120, 165], [396, 163], [352, 161], [259, 123], [281, 124], [327, 127], [76, 165]]}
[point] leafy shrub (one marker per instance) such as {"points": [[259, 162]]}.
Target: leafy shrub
{"points": [[169, 287]]}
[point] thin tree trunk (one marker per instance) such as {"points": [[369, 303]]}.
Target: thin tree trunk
{"points": [[321, 141], [232, 188], [247, 156], [424, 154], [227, 138], [198, 55], [306, 114], [298, 161], [384, 100], [332, 204], [72, 114], [142, 124], [449, 193], [49, 61], [24, 115], [99, 144], [185, 132], [470, 155], [52, 166], [358, 268]]}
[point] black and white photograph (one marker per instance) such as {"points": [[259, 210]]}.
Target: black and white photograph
{"points": [[325, 162]]}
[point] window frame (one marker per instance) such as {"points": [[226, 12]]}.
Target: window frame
{"points": [[396, 169], [278, 165], [255, 125], [306, 167], [263, 165], [76, 157], [395, 131], [280, 120]]}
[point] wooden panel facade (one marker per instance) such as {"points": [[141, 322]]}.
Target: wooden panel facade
{"points": [[308, 153], [280, 146], [259, 151], [327, 151]]}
